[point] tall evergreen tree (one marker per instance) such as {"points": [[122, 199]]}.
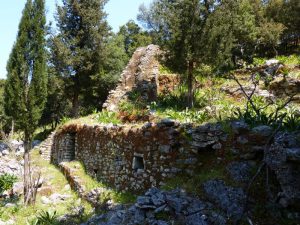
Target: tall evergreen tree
{"points": [[78, 50], [232, 32], [179, 27], [134, 37], [26, 86]]}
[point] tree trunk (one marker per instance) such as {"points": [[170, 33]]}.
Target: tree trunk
{"points": [[27, 173], [12, 129], [75, 105], [275, 51], [190, 84]]}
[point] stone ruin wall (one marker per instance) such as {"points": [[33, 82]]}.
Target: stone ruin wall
{"points": [[126, 157], [134, 158], [140, 74]]}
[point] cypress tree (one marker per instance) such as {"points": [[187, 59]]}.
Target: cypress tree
{"points": [[26, 86]]}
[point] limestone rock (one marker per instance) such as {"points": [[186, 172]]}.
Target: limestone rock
{"points": [[293, 154], [240, 171], [176, 204], [230, 199]]}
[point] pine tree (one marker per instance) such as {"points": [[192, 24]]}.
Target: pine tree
{"points": [[134, 37], [26, 86], [232, 32], [178, 27], [78, 50]]}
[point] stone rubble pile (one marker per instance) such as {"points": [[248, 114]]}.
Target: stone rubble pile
{"points": [[283, 158], [276, 81], [159, 207], [11, 166]]}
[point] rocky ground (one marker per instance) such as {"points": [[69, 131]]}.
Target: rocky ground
{"points": [[159, 207]]}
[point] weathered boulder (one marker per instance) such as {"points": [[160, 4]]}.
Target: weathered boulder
{"points": [[240, 171], [285, 86], [231, 200], [293, 154], [176, 205]]}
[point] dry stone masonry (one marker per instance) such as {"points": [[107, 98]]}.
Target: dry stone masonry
{"points": [[45, 147], [127, 157], [134, 158], [140, 74]]}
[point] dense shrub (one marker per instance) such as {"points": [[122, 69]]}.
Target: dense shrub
{"points": [[6, 182]]}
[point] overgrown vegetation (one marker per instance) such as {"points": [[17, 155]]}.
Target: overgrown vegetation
{"points": [[6, 182], [204, 41], [45, 218], [54, 182], [107, 117]]}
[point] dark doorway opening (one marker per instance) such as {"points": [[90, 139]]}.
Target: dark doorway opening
{"points": [[138, 163]]}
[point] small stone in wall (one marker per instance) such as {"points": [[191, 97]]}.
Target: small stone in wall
{"points": [[262, 131], [293, 154], [217, 146], [242, 140], [239, 127], [164, 149], [240, 171]]}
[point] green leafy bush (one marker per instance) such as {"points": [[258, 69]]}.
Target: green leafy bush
{"points": [[187, 116], [274, 115], [292, 120], [6, 182], [107, 117], [45, 218], [291, 60], [259, 61], [163, 69]]}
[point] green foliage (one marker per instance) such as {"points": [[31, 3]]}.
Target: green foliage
{"points": [[26, 85], [177, 99], [124, 198], [188, 183], [250, 116], [273, 115], [107, 117], [6, 182], [133, 111], [291, 60], [64, 120], [188, 115], [163, 216], [179, 28], [105, 80], [4, 120], [259, 61], [45, 218], [78, 51], [204, 70], [134, 37], [163, 69], [57, 104], [292, 120], [269, 34]]}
